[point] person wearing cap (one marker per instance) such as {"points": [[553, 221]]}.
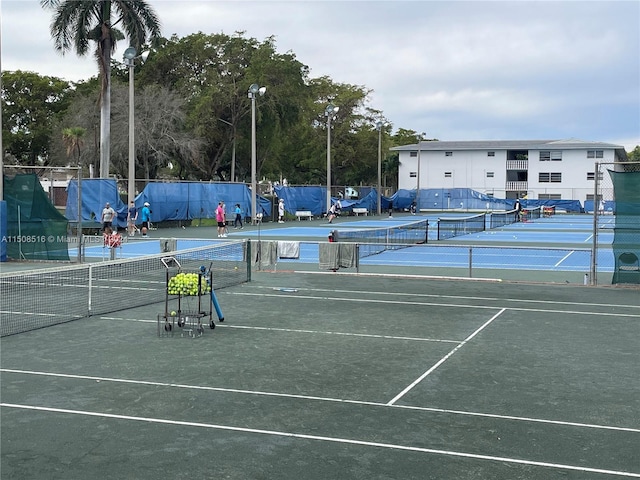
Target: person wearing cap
{"points": [[108, 215], [145, 217]]}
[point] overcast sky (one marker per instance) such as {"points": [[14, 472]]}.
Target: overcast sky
{"points": [[455, 70]]}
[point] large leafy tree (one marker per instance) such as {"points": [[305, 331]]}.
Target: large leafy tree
{"points": [[214, 72], [30, 106], [160, 124], [76, 23]]}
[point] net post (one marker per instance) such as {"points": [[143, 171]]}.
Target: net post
{"points": [[79, 224], [594, 247], [357, 258], [90, 294], [470, 262], [248, 259]]}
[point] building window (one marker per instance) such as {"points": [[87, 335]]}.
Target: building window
{"points": [[553, 177], [413, 154], [591, 176], [491, 154], [448, 154], [549, 196], [413, 174], [490, 174], [551, 155], [595, 154], [447, 175]]}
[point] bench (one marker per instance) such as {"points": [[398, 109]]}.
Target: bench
{"points": [[303, 213], [358, 211]]}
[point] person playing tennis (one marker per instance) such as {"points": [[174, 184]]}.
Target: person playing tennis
{"points": [[132, 216], [145, 216], [220, 218]]}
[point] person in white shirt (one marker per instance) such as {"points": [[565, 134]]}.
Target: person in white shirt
{"points": [[108, 215]]}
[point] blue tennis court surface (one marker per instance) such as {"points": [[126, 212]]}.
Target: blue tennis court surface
{"points": [[488, 257], [521, 235], [508, 247], [137, 248]]}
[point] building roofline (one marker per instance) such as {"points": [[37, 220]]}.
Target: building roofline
{"points": [[568, 144]]}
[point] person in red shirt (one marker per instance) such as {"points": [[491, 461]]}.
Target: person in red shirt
{"points": [[220, 218]]}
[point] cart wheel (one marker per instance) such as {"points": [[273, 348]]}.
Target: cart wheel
{"points": [[167, 327], [181, 322], [212, 325]]}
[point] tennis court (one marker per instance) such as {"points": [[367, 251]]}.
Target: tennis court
{"points": [[381, 377]]}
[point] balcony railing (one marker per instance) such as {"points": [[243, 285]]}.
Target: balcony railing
{"points": [[519, 186], [517, 164]]}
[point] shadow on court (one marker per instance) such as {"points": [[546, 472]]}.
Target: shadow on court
{"points": [[323, 376]]}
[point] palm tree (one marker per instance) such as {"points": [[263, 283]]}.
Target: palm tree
{"points": [[77, 22], [72, 138]]}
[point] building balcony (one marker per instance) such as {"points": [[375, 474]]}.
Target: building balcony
{"points": [[517, 186], [517, 164]]}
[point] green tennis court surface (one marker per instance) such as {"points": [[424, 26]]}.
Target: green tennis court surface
{"points": [[320, 376]]}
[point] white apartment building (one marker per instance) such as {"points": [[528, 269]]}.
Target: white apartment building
{"points": [[540, 169]]}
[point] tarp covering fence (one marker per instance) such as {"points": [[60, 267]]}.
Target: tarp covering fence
{"points": [[168, 201], [626, 232], [36, 230], [182, 201]]}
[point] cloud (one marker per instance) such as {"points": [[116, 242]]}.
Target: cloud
{"points": [[502, 70]]}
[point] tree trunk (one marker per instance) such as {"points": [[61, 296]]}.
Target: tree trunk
{"points": [[104, 56], [105, 126]]}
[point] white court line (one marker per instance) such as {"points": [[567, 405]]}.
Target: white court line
{"points": [[433, 304], [444, 359], [299, 330], [564, 258], [450, 453], [454, 297], [323, 399]]}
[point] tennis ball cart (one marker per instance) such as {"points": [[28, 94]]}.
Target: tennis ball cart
{"points": [[189, 301]]}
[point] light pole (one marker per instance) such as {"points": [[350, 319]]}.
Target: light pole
{"points": [[254, 90], [130, 57], [233, 150], [418, 173], [330, 112], [379, 126]]}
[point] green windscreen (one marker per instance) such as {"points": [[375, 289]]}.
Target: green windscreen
{"points": [[35, 229], [626, 236]]}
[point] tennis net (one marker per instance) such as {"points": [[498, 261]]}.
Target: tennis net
{"points": [[37, 299], [454, 227], [533, 213], [377, 240], [500, 219]]}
